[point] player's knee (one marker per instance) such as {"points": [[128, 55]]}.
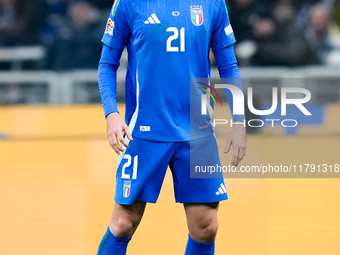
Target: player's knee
{"points": [[122, 228], [208, 233], [204, 231]]}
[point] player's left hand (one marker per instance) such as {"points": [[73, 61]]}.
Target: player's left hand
{"points": [[238, 139]]}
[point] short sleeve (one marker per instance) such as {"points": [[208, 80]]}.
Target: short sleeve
{"points": [[222, 34], [117, 28]]}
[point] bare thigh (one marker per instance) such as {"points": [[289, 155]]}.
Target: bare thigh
{"points": [[202, 220], [126, 218]]}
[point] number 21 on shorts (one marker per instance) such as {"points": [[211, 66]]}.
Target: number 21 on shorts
{"points": [[128, 164]]}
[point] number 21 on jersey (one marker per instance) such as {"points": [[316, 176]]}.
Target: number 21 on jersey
{"points": [[174, 37]]}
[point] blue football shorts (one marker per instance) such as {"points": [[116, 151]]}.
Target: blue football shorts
{"points": [[142, 167]]}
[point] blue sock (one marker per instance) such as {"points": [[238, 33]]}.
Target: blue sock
{"points": [[198, 248], [111, 245]]}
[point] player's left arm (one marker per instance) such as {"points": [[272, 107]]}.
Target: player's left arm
{"points": [[221, 42], [238, 139], [228, 69]]}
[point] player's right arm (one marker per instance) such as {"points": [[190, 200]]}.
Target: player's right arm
{"points": [[115, 38], [107, 73], [115, 128]]}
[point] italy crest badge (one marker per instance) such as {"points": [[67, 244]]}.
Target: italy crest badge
{"points": [[197, 15]]}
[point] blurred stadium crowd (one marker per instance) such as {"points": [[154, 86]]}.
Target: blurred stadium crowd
{"points": [[69, 31], [286, 32], [268, 32], [65, 35]]}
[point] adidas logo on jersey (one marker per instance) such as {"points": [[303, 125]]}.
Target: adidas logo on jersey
{"points": [[152, 20], [221, 190]]}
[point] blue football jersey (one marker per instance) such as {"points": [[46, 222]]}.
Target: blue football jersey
{"points": [[168, 44]]}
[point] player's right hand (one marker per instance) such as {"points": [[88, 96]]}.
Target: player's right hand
{"points": [[116, 127]]}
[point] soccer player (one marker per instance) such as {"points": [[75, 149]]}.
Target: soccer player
{"points": [[168, 44]]}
